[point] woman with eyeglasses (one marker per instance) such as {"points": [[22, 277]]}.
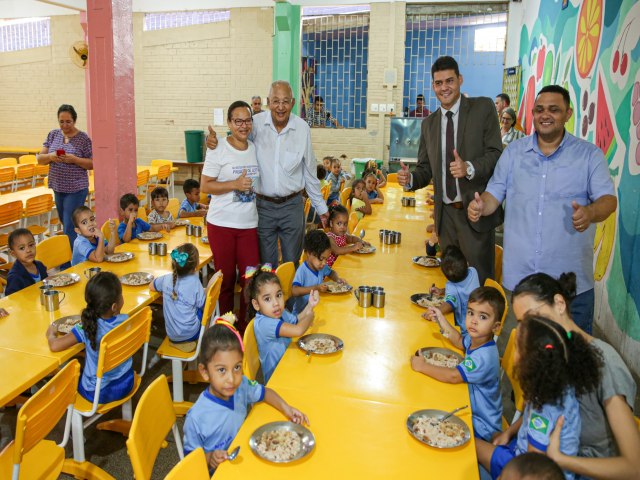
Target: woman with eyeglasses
{"points": [[507, 127], [229, 175]]}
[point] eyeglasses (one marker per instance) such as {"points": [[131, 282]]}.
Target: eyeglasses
{"points": [[238, 122], [285, 103]]}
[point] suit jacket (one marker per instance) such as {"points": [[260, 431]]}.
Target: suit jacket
{"points": [[478, 142]]}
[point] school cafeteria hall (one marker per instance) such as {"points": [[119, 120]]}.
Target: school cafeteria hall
{"points": [[289, 239]]}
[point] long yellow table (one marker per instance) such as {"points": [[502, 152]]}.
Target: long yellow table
{"points": [[12, 366], [358, 400]]}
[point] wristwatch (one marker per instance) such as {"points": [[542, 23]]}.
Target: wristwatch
{"points": [[470, 171]]}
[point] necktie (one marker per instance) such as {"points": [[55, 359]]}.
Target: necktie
{"points": [[450, 181]]}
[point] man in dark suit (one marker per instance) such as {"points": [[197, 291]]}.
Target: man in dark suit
{"points": [[459, 147]]}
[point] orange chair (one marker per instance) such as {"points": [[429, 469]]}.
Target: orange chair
{"points": [[27, 160], [25, 177], [38, 207], [30, 455], [11, 214], [7, 176]]}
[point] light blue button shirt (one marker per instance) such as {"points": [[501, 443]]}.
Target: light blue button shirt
{"points": [[538, 228], [271, 346]]}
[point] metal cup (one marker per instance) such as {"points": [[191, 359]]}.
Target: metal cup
{"points": [[189, 228], [153, 248], [52, 300], [396, 237], [388, 237], [363, 295], [197, 230], [43, 288], [377, 298], [92, 272], [162, 249]]}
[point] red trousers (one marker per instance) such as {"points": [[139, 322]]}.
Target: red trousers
{"points": [[231, 248]]}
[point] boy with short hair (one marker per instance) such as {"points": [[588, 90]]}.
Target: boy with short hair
{"points": [[311, 273], [131, 226], [532, 466], [90, 243], [191, 206], [480, 369], [461, 281], [159, 201]]}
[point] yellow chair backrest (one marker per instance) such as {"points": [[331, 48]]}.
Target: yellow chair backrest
{"points": [[25, 171], [637, 421], [326, 191], [344, 196], [8, 162], [307, 208], [28, 159], [153, 420], [498, 264], [353, 222], [7, 174], [251, 359], [163, 172], [42, 170], [158, 162], [174, 206], [142, 214], [193, 466], [106, 231], [492, 283], [54, 251], [508, 367], [38, 205], [392, 178], [10, 213], [143, 178], [285, 273], [212, 295], [41, 413]]}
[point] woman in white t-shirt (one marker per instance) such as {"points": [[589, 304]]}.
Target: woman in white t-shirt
{"points": [[229, 175]]}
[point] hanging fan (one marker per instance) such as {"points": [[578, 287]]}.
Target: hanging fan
{"points": [[79, 53]]}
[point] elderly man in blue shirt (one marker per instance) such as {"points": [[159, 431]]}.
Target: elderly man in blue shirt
{"points": [[557, 187]]}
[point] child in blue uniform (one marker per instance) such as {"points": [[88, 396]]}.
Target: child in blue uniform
{"points": [[553, 366], [336, 178], [131, 226], [480, 369], [461, 281], [371, 186], [312, 272], [90, 243], [191, 206], [214, 420], [274, 326], [26, 270], [101, 315]]}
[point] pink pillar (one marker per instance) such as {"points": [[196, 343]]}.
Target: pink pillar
{"points": [[112, 116], [87, 85]]}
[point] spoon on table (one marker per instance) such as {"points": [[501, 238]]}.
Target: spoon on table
{"points": [[445, 417], [234, 453], [362, 232]]}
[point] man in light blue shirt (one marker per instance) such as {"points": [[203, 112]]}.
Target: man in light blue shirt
{"points": [[557, 187]]}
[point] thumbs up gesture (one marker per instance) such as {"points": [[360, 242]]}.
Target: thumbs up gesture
{"points": [[581, 216], [475, 208], [212, 139], [243, 183], [457, 167], [404, 176]]}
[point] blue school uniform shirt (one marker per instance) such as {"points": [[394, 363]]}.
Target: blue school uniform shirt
{"points": [[457, 294], [373, 194], [137, 228], [113, 380], [19, 278], [480, 370], [306, 276], [186, 206], [82, 248], [212, 423], [271, 346], [182, 316]]}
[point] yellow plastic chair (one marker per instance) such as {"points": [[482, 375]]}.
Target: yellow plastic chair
{"points": [[162, 178], [307, 208], [498, 264], [116, 347], [637, 419], [392, 178], [27, 160], [142, 214], [492, 283], [54, 251], [8, 162], [353, 223], [153, 420], [178, 357], [38, 207], [10, 214], [344, 196], [174, 207], [42, 172], [29, 455], [251, 359], [7, 176], [286, 272], [508, 368], [193, 466], [25, 177], [142, 184], [326, 191], [171, 182]]}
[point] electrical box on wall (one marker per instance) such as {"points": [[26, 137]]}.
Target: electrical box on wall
{"points": [[390, 77], [374, 108]]}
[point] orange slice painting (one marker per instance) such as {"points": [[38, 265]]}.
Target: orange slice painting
{"points": [[588, 35]]}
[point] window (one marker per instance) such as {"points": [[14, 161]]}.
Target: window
{"points": [[335, 45], [159, 21], [23, 33], [490, 39]]}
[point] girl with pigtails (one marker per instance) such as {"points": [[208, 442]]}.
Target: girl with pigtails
{"points": [[103, 295]]}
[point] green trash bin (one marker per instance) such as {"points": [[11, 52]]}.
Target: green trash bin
{"points": [[194, 143], [360, 163]]}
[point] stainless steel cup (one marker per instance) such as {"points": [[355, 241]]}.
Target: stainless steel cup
{"points": [[43, 289], [189, 229], [405, 201], [395, 237], [197, 230], [412, 202], [52, 300], [162, 249], [92, 272], [153, 248], [377, 298], [363, 295], [388, 237]]}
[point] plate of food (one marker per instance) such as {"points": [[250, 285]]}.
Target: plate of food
{"points": [[366, 249], [282, 442], [337, 287], [64, 325], [320, 343], [149, 235], [136, 279], [425, 300], [119, 257], [181, 222], [62, 280], [441, 357], [426, 426], [426, 261], [204, 239]]}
